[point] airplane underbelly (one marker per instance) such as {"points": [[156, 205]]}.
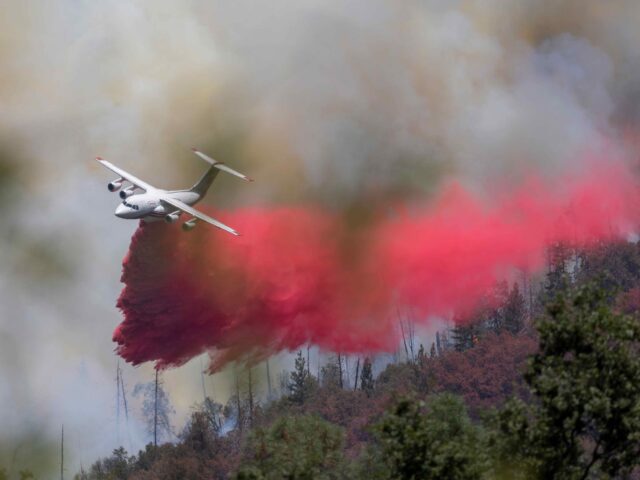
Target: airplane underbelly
{"points": [[151, 219], [157, 214]]}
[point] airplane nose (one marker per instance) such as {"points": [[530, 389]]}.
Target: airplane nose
{"points": [[121, 211]]}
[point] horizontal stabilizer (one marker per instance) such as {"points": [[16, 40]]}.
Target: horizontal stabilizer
{"points": [[221, 166]]}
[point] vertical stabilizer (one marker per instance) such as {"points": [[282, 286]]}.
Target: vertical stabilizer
{"points": [[205, 182]]}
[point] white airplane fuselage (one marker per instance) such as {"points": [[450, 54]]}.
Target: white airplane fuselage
{"points": [[157, 204], [149, 207]]}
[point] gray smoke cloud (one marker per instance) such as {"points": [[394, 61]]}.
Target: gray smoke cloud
{"points": [[324, 101]]}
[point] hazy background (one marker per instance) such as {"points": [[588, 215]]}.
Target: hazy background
{"points": [[330, 102]]}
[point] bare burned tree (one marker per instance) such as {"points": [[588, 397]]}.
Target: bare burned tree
{"points": [[156, 408], [355, 384]]}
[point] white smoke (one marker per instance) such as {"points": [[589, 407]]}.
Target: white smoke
{"points": [[319, 100]]}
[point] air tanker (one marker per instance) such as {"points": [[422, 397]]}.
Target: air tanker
{"points": [[143, 201]]}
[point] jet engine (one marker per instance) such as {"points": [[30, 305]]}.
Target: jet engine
{"points": [[127, 192], [189, 225], [172, 217], [115, 185]]}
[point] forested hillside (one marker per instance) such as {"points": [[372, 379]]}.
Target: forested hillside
{"points": [[542, 381]]}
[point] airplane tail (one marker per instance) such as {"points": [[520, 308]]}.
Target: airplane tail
{"points": [[207, 179]]}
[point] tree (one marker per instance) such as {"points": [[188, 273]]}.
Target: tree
{"points": [[300, 383], [118, 465], [437, 442], [487, 375], [213, 413], [557, 277], [613, 266], [422, 356], [513, 312], [156, 409], [366, 379], [236, 409], [302, 447], [250, 399], [465, 336], [331, 374], [586, 377], [432, 352], [200, 433], [355, 384], [491, 311]]}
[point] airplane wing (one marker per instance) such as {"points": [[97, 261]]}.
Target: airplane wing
{"points": [[126, 175], [192, 211]]}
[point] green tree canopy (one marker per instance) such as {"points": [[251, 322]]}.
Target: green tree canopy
{"points": [[296, 448], [434, 442], [586, 379], [300, 383], [366, 378]]}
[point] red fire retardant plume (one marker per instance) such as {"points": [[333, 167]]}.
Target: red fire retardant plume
{"points": [[301, 275]]}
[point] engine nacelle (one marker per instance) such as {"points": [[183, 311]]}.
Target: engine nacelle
{"points": [[172, 217], [115, 185], [189, 225], [126, 193]]}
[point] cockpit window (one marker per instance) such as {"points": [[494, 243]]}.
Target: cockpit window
{"points": [[135, 207]]}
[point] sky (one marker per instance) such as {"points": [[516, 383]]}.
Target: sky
{"points": [[327, 103]]}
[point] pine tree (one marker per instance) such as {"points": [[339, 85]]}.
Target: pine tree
{"points": [[557, 279], [366, 379], [465, 336], [331, 373], [491, 311], [432, 353], [514, 310], [300, 382], [422, 356]]}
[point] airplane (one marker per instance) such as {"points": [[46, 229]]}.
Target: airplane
{"points": [[157, 204]]}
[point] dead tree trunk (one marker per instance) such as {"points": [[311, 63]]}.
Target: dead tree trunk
{"points": [[250, 400], [355, 385], [404, 339], [155, 413], [412, 333], [204, 388], [347, 377], [269, 391], [239, 405], [126, 410], [118, 403]]}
